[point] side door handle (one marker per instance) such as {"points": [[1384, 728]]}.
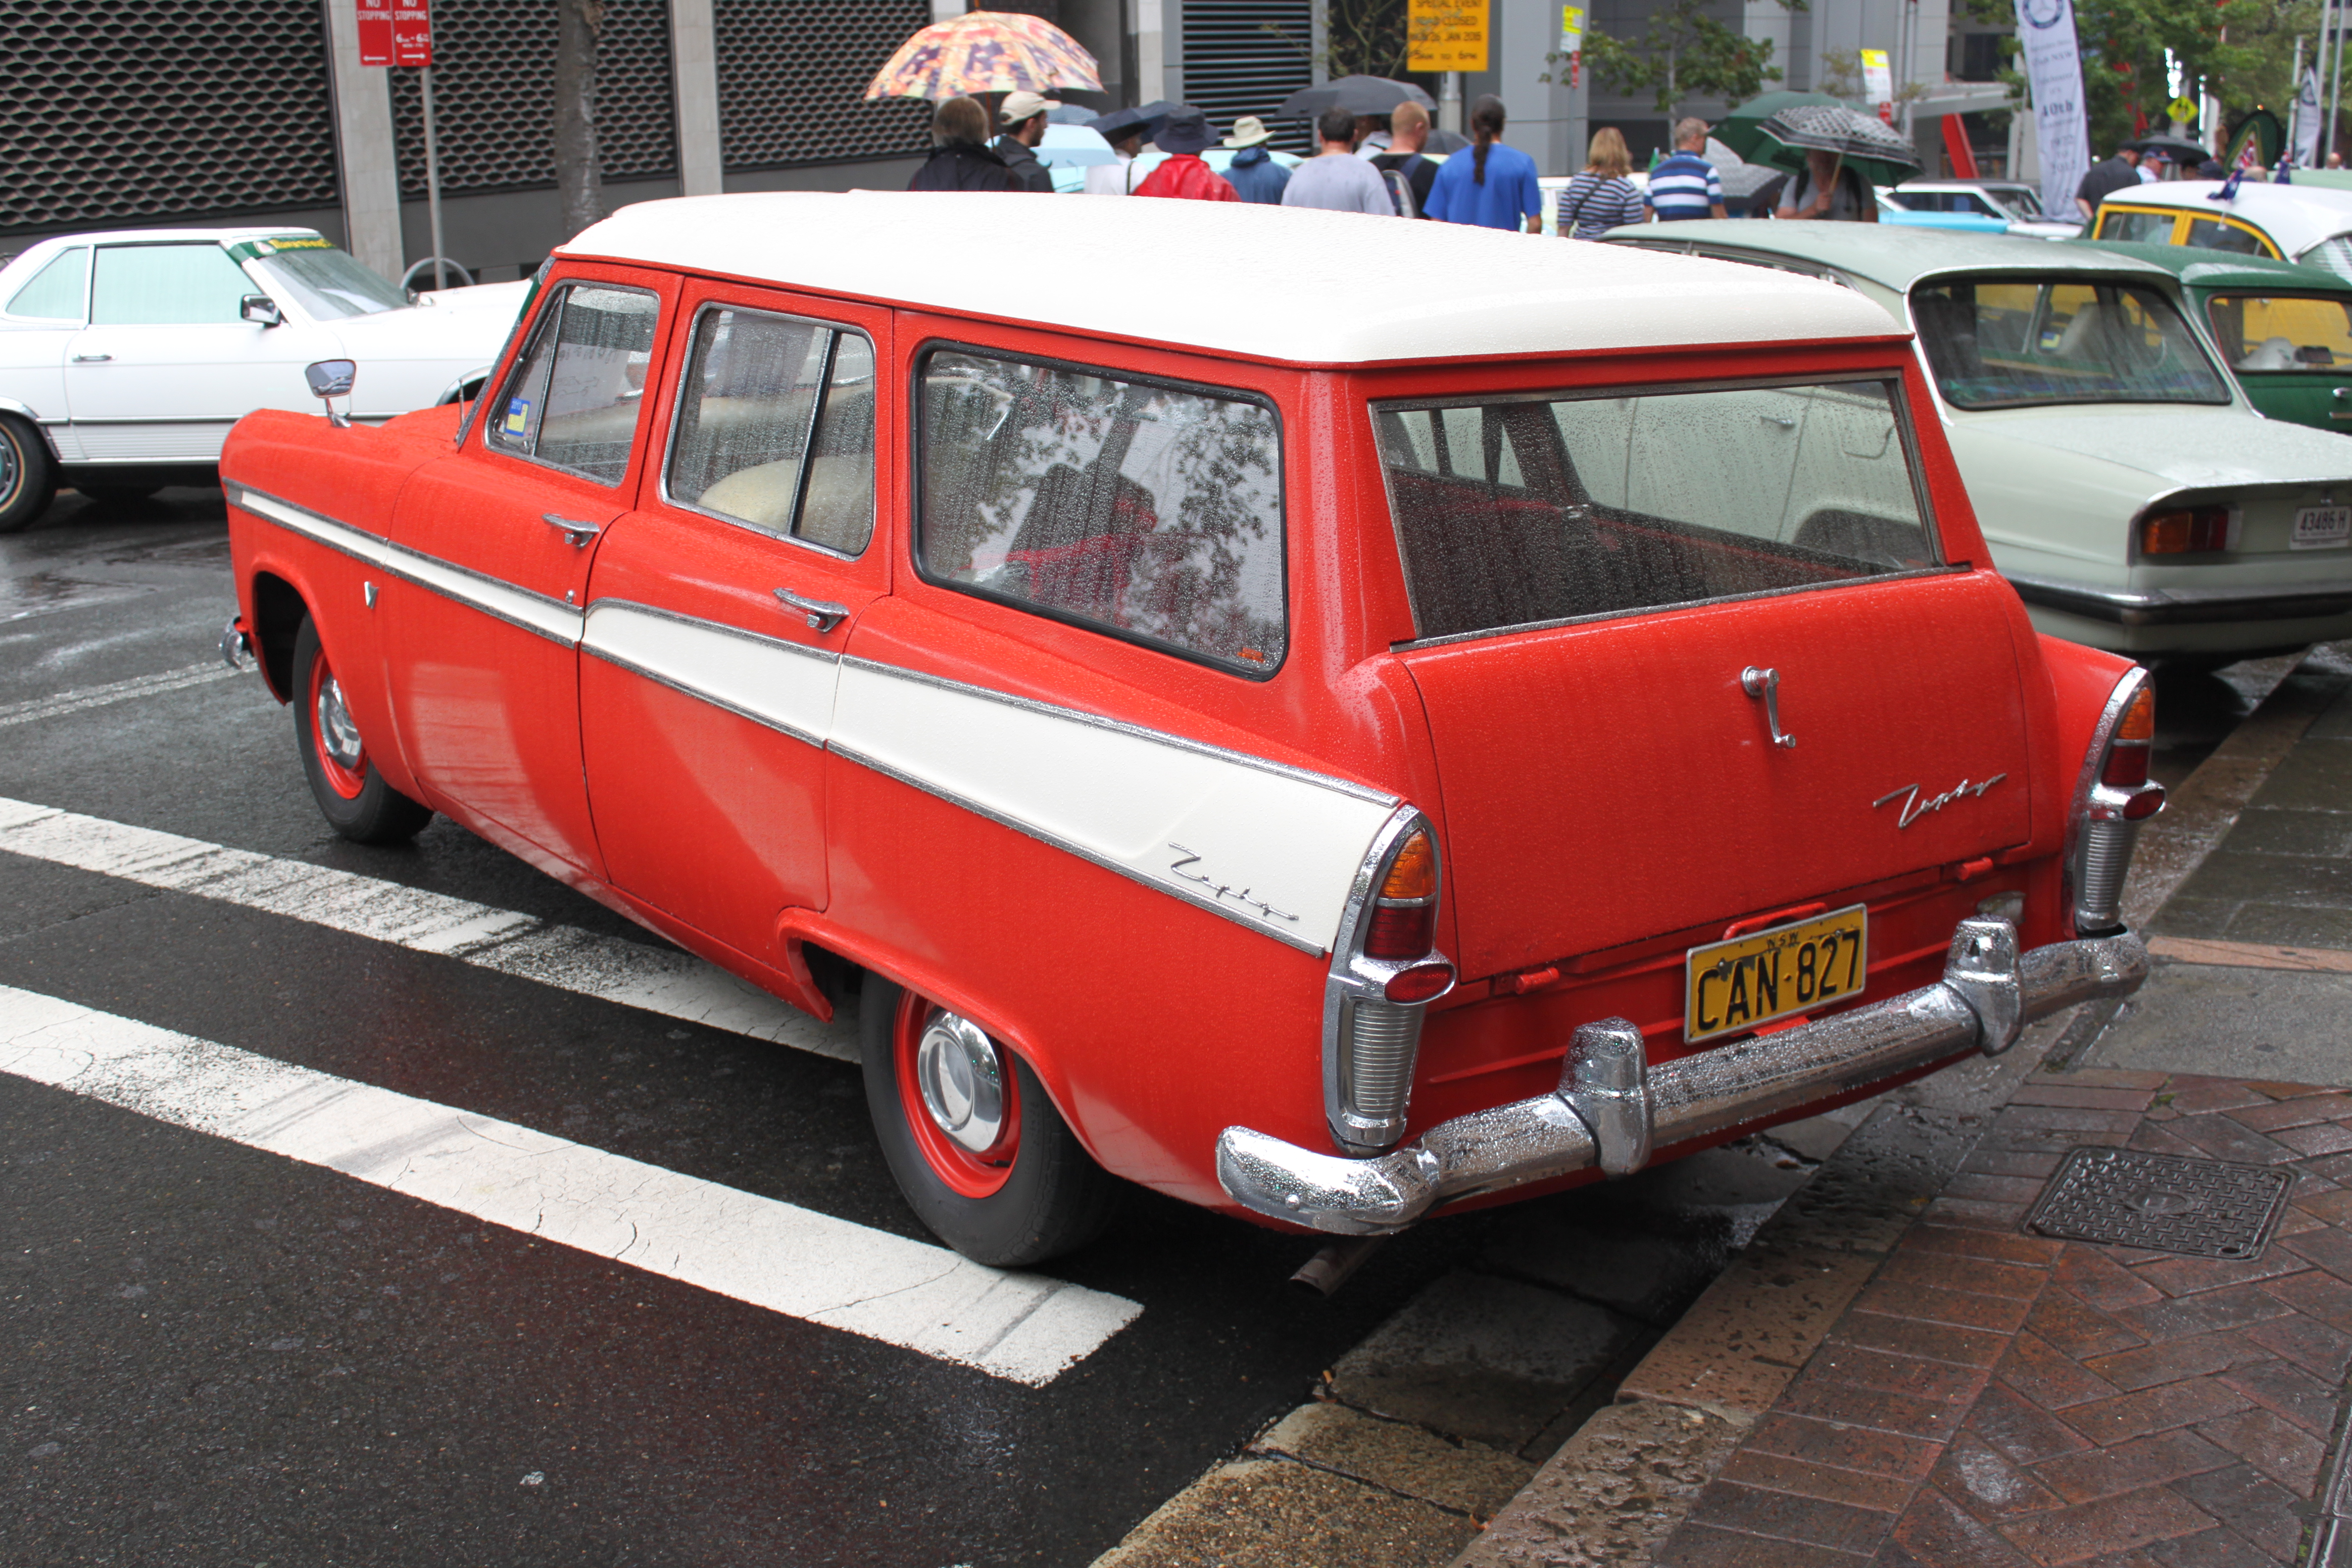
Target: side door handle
{"points": [[821, 616], [91, 359], [573, 529]]}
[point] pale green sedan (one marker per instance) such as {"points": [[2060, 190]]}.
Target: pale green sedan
{"points": [[2128, 491]]}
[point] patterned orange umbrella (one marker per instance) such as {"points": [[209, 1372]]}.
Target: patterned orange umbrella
{"points": [[986, 52]]}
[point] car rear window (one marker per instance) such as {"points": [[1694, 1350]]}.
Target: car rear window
{"points": [[2267, 333], [2012, 342], [1145, 509], [1530, 512]]}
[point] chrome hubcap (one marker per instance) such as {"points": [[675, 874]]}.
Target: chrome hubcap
{"points": [[338, 736], [961, 1078]]}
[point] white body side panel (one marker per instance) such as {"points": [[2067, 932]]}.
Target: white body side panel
{"points": [[778, 684]]}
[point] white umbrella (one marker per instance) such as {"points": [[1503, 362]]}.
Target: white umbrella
{"points": [[1073, 147]]}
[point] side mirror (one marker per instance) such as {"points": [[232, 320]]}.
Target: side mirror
{"points": [[260, 308], [330, 379]]}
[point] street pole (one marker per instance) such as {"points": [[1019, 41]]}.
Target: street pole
{"points": [[2295, 119], [1449, 103], [432, 175], [2335, 79]]}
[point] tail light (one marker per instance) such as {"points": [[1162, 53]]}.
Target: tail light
{"points": [[2188, 531], [1384, 974], [2114, 798]]}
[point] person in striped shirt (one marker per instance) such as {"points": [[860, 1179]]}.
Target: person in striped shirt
{"points": [[1685, 184], [1602, 198]]}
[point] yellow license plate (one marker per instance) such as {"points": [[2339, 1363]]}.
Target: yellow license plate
{"points": [[1754, 979]]}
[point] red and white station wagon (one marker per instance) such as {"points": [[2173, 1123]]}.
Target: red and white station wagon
{"points": [[1331, 754]]}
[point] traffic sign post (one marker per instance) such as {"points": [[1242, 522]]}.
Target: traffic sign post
{"points": [[399, 32]]}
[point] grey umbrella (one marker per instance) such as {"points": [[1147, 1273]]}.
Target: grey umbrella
{"points": [[1356, 94], [1873, 149]]}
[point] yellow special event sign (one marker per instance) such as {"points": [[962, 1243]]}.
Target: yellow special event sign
{"points": [[1445, 35]]}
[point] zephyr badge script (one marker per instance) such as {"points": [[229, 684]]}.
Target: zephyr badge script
{"points": [[1914, 808]]}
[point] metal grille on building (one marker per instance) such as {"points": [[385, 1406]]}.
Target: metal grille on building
{"points": [[791, 74], [141, 110], [494, 97], [1244, 56]]}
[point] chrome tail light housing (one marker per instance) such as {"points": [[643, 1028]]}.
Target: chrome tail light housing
{"points": [[2113, 797], [1385, 972]]}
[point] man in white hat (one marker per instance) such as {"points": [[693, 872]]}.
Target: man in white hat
{"points": [[1024, 120], [1252, 172]]}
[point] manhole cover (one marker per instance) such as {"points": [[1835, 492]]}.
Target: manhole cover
{"points": [[2205, 1208]]}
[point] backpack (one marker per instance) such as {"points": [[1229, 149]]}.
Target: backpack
{"points": [[1400, 183]]}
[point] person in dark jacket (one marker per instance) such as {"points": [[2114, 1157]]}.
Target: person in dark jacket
{"points": [[1024, 120], [961, 159], [1253, 173]]}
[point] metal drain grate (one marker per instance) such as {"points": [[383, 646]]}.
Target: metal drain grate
{"points": [[2203, 1208]]}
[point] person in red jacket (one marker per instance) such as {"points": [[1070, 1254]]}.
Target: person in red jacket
{"points": [[1183, 174]]}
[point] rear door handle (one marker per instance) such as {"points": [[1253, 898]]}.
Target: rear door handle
{"points": [[91, 359], [821, 616], [576, 530]]}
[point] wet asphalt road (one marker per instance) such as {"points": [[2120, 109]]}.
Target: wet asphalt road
{"points": [[216, 1355]]}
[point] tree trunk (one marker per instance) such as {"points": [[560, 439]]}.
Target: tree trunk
{"points": [[1674, 97], [579, 188]]}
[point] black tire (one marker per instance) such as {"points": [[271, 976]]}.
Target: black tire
{"points": [[28, 475], [351, 795], [1052, 1198]]}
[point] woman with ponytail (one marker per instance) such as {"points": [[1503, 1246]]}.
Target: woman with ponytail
{"points": [[1489, 184]]}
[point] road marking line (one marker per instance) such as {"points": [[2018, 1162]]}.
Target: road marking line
{"points": [[1023, 1328], [38, 708], [656, 980], [2250, 955]]}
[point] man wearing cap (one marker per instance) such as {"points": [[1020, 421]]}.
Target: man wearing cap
{"points": [[1125, 129], [1183, 139], [1253, 174], [1336, 180], [1023, 119]]}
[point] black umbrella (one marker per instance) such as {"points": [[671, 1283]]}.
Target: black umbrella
{"points": [[1148, 117], [1370, 95], [2179, 149], [1871, 147]]}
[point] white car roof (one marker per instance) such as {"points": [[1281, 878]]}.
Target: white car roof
{"points": [[2296, 216], [1287, 284]]}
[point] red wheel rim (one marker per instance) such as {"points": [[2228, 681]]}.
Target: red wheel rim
{"points": [[346, 781], [963, 1172]]}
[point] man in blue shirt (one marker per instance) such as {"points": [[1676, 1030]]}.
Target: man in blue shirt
{"points": [[1685, 184], [1487, 182]]}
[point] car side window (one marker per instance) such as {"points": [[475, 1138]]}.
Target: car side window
{"points": [[1150, 510], [2212, 233], [572, 400], [167, 285], [59, 291], [2146, 229], [775, 427]]}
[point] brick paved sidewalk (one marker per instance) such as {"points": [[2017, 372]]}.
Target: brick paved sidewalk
{"points": [[1994, 1399]]}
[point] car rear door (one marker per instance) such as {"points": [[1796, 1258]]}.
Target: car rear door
{"points": [[718, 610], [1689, 658]]}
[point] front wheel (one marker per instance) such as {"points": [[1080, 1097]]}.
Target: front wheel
{"points": [[29, 478], [982, 1157], [351, 795]]}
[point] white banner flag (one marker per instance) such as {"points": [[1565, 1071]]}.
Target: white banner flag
{"points": [[2306, 121], [2053, 68]]}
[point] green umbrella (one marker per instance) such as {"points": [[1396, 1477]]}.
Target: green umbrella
{"points": [[1739, 130]]}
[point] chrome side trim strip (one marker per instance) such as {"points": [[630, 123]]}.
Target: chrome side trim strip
{"points": [[163, 419], [534, 613], [781, 685], [1121, 727]]}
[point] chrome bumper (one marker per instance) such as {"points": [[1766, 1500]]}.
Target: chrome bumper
{"points": [[1611, 1109], [2183, 606]]}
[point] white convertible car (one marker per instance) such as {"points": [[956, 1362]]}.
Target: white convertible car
{"points": [[126, 356]]}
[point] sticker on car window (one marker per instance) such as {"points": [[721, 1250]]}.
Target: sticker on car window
{"points": [[518, 415]]}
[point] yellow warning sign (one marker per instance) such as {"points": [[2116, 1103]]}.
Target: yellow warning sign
{"points": [[1446, 34]]}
